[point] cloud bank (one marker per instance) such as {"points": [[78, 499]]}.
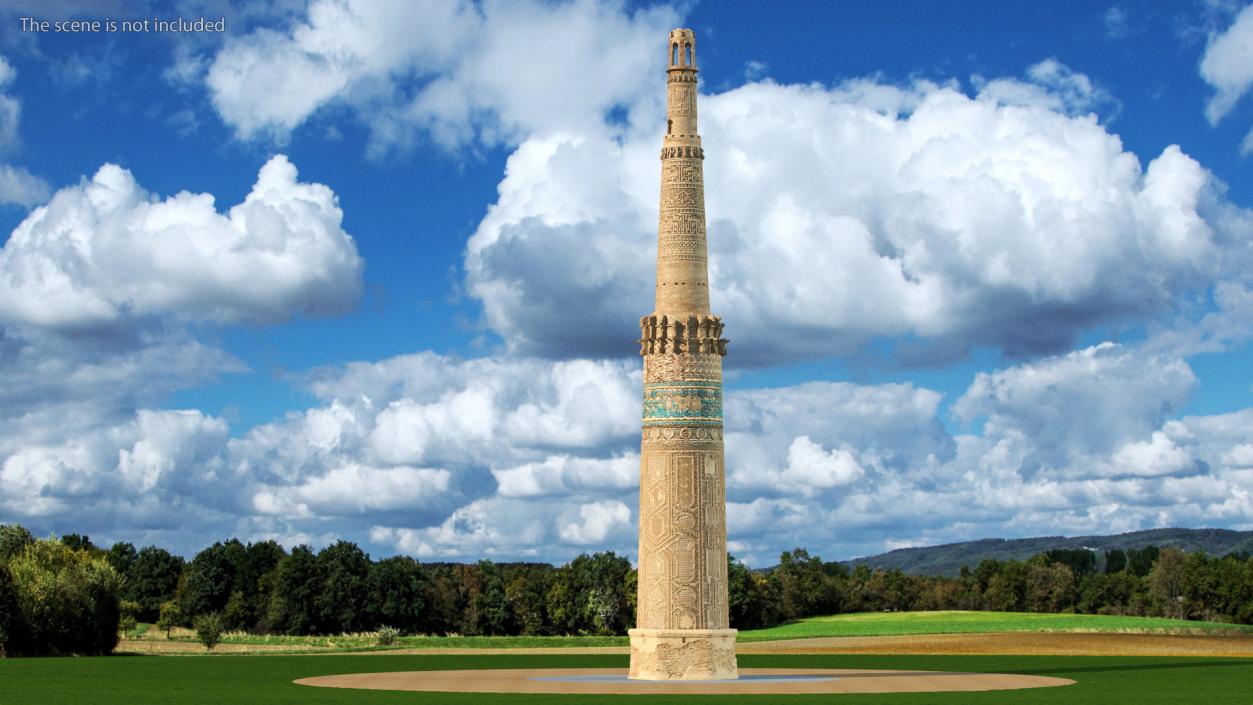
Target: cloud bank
{"points": [[928, 217]]}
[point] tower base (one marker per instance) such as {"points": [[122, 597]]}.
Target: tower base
{"points": [[683, 654]]}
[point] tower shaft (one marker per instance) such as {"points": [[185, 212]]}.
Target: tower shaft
{"points": [[682, 627]]}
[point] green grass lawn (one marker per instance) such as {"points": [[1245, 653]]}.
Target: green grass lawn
{"points": [[883, 623], [251, 680]]}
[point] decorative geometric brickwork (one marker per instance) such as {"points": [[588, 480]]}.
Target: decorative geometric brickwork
{"points": [[682, 631]]}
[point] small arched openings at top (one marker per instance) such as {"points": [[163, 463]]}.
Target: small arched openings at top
{"points": [[669, 126], [682, 50]]}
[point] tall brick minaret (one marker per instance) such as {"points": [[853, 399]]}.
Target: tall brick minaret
{"points": [[682, 629]]}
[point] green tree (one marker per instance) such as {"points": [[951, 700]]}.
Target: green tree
{"points": [[236, 615], [808, 588], [236, 611], [741, 602], [942, 594], [1081, 561], [1242, 590], [1092, 593], [122, 556], [208, 581], [752, 598], [250, 582], [469, 584], [591, 595], [492, 613], [153, 580], [442, 597], [1167, 582], [79, 542], [561, 604], [1050, 587], [1233, 588], [525, 594], [127, 619], [170, 617], [13, 538], [395, 586], [602, 580], [293, 600], [254, 580], [341, 603], [1140, 561], [9, 618], [971, 593], [889, 590], [1007, 589], [1115, 561], [984, 572], [612, 591], [67, 601]]}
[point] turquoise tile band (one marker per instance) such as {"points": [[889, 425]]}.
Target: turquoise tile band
{"points": [[683, 404]]}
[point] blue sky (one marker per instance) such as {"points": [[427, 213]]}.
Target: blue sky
{"points": [[372, 270]]}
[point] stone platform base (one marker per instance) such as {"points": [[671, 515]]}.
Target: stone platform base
{"points": [[683, 654]]}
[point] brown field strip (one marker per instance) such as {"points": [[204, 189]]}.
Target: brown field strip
{"points": [[157, 648], [1004, 643], [1015, 643]]}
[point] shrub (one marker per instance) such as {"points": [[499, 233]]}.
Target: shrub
{"points": [[388, 636], [67, 601], [170, 617], [209, 629], [128, 619]]}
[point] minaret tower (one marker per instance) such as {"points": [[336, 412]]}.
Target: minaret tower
{"points": [[682, 629]]}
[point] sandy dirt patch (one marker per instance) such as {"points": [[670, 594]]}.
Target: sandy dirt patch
{"points": [[757, 683]]}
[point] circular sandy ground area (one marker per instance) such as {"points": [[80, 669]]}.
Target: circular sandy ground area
{"points": [[753, 681]]}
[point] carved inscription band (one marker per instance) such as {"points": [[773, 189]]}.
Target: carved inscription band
{"points": [[683, 404]]}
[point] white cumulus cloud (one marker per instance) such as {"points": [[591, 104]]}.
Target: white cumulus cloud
{"points": [[107, 250], [949, 220], [1121, 394], [1228, 65], [17, 185], [1085, 442], [595, 522], [449, 70], [1157, 456]]}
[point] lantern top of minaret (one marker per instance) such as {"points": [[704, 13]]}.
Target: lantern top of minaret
{"points": [[682, 56]]}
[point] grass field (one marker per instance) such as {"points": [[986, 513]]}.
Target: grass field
{"points": [[894, 623], [152, 641], [227, 680], [250, 678]]}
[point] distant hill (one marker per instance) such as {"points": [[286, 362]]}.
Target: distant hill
{"points": [[948, 559]]}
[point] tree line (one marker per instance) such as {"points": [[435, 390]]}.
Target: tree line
{"points": [[67, 595], [1147, 582]]}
